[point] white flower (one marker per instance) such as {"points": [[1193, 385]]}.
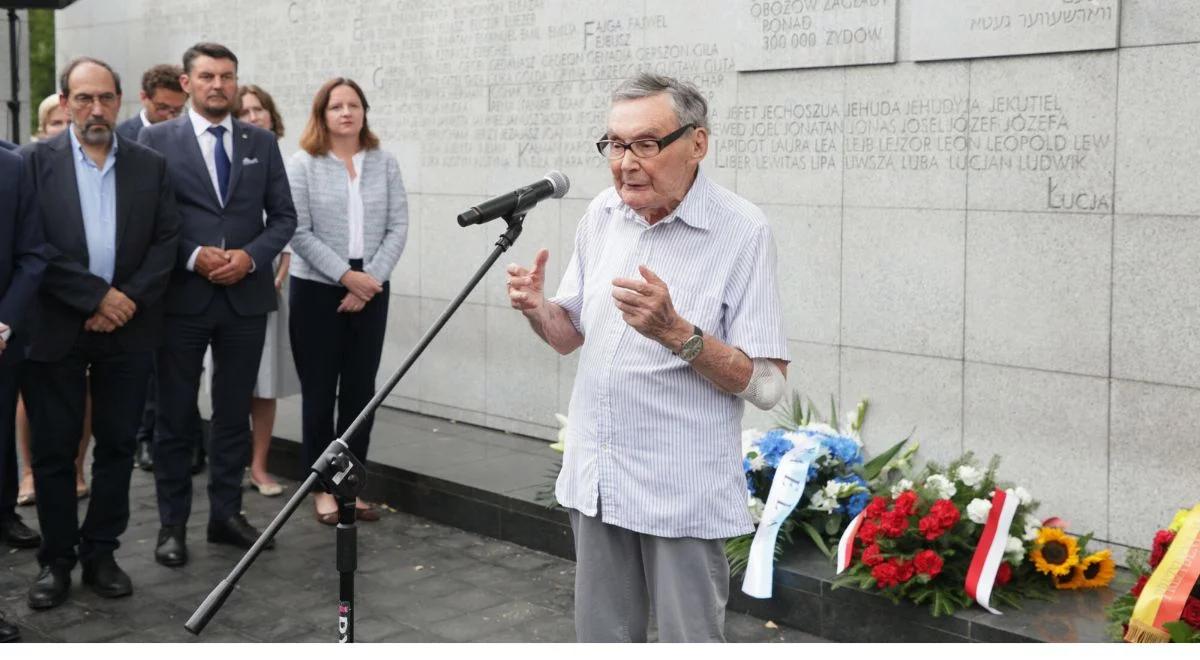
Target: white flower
{"points": [[901, 486], [1023, 495], [758, 462], [978, 510], [941, 486], [834, 489], [970, 476], [1032, 527], [1014, 550], [820, 502], [756, 507]]}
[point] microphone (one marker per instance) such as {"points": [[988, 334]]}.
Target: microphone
{"points": [[555, 184]]}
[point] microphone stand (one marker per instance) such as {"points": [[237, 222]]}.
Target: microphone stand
{"points": [[343, 474]]}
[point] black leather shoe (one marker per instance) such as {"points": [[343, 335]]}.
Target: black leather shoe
{"points": [[8, 632], [172, 546], [143, 458], [236, 531], [51, 587], [17, 534], [106, 578]]}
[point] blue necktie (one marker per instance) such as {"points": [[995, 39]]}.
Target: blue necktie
{"points": [[221, 160]]}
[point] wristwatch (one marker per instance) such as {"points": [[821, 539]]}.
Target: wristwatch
{"points": [[692, 345]]}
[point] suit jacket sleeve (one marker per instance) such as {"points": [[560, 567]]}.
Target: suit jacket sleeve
{"points": [[29, 254], [185, 247], [148, 284], [281, 214], [305, 243], [396, 232]]}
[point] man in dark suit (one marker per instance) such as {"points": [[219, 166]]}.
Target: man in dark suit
{"points": [[227, 175], [111, 227], [162, 99], [22, 263]]}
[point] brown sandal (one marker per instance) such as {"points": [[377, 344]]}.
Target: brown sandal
{"points": [[327, 518], [366, 514]]}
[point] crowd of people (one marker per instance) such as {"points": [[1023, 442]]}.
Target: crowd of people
{"points": [[144, 260], [128, 252]]}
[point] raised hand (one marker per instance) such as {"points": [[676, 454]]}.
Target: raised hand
{"points": [[526, 287]]}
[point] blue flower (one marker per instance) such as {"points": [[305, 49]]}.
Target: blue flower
{"points": [[854, 504], [773, 446], [843, 449]]}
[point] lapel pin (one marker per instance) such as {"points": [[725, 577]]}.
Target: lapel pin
{"points": [[244, 136]]}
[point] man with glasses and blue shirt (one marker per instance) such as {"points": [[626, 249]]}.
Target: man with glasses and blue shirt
{"points": [[111, 228], [671, 293]]}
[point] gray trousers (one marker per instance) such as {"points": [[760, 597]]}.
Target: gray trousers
{"points": [[620, 575]]}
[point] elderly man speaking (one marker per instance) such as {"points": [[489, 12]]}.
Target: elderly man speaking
{"points": [[671, 292]]}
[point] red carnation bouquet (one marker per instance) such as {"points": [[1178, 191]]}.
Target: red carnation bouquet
{"points": [[916, 540]]}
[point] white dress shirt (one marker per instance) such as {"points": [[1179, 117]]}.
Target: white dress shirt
{"points": [[208, 146], [145, 119], [354, 211], [648, 436]]}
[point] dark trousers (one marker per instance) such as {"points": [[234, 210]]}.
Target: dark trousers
{"points": [[337, 357], [150, 411], [8, 439], [55, 394], [237, 343]]}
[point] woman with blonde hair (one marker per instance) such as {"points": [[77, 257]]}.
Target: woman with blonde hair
{"points": [[52, 118], [352, 221]]}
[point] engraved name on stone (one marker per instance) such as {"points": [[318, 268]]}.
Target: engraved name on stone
{"points": [[797, 34], [1029, 136], [942, 30]]}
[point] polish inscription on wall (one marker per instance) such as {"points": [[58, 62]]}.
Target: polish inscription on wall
{"points": [[1030, 140], [797, 34], [942, 30]]}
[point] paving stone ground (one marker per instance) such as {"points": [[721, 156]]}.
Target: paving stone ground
{"points": [[417, 581]]}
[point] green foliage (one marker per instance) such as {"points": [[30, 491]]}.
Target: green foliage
{"points": [[41, 60], [737, 549], [1182, 633]]}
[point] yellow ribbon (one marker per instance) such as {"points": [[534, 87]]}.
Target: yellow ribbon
{"points": [[1167, 590]]}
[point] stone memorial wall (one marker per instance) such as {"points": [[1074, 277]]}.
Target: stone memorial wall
{"points": [[1000, 252]]}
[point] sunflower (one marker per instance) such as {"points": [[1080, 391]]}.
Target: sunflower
{"points": [[1097, 569], [1055, 552], [1073, 579]]}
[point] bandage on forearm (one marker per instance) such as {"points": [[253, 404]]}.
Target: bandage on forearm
{"points": [[766, 385]]}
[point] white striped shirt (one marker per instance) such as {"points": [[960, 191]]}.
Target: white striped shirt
{"points": [[647, 435]]}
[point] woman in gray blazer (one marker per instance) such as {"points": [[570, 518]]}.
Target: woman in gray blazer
{"points": [[352, 214]]}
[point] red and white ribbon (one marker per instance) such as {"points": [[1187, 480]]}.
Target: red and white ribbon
{"points": [[981, 576], [846, 545]]}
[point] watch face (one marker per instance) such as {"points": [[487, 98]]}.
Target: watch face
{"points": [[692, 347]]}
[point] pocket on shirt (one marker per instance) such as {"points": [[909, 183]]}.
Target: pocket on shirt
{"points": [[699, 308]]}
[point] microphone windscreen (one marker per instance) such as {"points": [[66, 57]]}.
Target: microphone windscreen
{"points": [[560, 182]]}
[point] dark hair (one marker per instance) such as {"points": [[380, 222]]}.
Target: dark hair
{"points": [[267, 102], [65, 76], [315, 139], [215, 51], [162, 76]]}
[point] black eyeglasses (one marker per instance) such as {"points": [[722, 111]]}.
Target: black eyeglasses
{"points": [[645, 148]]}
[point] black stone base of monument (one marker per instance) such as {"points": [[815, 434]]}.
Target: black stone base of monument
{"points": [[465, 507], [803, 598]]}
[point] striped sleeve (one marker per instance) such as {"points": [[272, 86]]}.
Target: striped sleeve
{"points": [[754, 321], [570, 289]]}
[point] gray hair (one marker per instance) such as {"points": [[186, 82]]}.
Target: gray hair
{"points": [[689, 104]]}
